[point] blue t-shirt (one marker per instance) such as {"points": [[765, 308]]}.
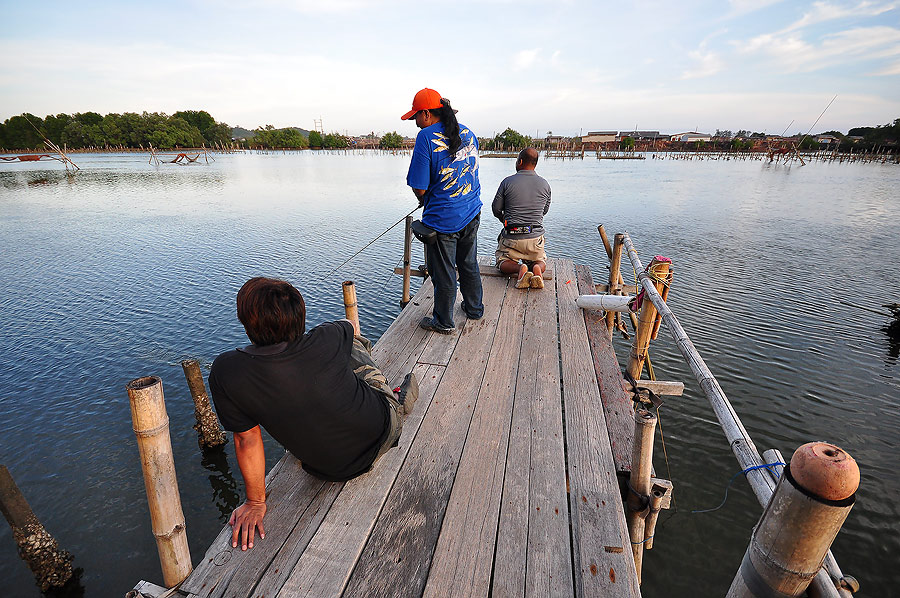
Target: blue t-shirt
{"points": [[452, 191]]}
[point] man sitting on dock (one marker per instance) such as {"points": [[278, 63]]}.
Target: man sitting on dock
{"points": [[319, 394], [520, 204]]}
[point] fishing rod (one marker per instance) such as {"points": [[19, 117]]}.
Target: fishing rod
{"points": [[817, 120], [345, 262]]}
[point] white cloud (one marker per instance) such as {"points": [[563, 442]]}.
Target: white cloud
{"points": [[707, 63], [743, 7], [890, 69], [827, 11], [525, 59], [793, 54]]}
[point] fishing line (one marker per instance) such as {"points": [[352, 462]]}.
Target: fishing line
{"points": [[345, 262], [817, 120]]}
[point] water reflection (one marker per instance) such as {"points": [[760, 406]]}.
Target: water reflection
{"points": [[224, 487]]}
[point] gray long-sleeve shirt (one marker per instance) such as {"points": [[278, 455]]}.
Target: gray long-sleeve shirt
{"points": [[522, 199]]}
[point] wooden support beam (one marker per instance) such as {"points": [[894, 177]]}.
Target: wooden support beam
{"points": [[664, 389]]}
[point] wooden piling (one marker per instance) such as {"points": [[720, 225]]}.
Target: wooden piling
{"points": [[209, 433], [614, 277], [639, 501], [793, 536], [407, 255], [52, 567], [151, 427], [351, 310], [659, 270]]}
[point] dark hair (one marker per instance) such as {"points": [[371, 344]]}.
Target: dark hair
{"points": [[271, 310], [451, 125], [529, 156]]}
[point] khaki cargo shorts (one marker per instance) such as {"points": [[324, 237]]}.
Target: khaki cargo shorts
{"points": [[529, 251]]}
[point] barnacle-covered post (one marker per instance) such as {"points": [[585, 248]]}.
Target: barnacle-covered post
{"points": [[209, 433], [52, 567]]}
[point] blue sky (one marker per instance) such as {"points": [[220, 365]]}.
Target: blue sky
{"points": [[564, 66]]}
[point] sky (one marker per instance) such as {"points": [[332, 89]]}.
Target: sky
{"points": [[565, 67]]}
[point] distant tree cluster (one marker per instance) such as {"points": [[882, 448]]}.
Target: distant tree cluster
{"points": [[508, 140], [187, 128], [270, 137], [391, 140]]}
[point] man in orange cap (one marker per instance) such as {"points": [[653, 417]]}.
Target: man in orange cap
{"points": [[443, 174]]}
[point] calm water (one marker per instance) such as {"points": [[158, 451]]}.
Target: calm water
{"points": [[125, 269]]}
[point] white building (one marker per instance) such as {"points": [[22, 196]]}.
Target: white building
{"points": [[691, 136]]}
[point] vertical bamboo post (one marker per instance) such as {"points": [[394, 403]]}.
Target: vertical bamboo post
{"points": [[614, 289], [639, 505], [801, 520], [407, 255], [660, 270], [151, 427], [209, 433], [51, 566], [665, 297], [350, 308]]}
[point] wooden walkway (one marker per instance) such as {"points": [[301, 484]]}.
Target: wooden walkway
{"points": [[503, 484]]}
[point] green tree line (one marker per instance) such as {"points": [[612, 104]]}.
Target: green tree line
{"points": [[186, 128]]}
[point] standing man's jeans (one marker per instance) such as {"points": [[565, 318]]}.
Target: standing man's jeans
{"points": [[450, 251]]}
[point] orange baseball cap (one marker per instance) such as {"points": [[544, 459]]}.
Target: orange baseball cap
{"points": [[426, 99]]}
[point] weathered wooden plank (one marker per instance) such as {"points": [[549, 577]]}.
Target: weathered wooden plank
{"points": [[487, 269], [664, 389], [259, 577], [397, 557], [289, 492], [549, 571], [325, 565], [439, 347], [404, 333], [604, 565], [618, 407], [533, 555], [463, 557]]}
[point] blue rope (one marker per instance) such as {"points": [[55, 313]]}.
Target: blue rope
{"points": [[733, 478]]}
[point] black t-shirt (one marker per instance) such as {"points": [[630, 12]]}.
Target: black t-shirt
{"points": [[307, 397]]}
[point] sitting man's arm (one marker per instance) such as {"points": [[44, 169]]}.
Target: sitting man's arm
{"points": [[498, 207], [420, 195], [251, 457]]}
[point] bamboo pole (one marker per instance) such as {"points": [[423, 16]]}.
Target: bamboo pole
{"points": [[639, 502], [647, 320], [614, 276], [407, 255], [798, 525], [350, 307], [209, 433], [51, 566], [151, 427], [739, 440], [631, 316]]}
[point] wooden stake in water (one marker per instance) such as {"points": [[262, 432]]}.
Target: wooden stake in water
{"points": [[51, 566], [209, 433], [638, 501], [660, 271], [407, 256], [793, 536], [614, 277], [351, 310], [151, 427]]}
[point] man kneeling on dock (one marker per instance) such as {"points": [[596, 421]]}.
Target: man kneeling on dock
{"points": [[520, 204], [319, 394]]}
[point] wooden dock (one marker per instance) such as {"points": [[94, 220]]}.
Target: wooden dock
{"points": [[504, 482]]}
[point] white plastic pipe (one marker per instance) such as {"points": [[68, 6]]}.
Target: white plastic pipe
{"points": [[605, 302]]}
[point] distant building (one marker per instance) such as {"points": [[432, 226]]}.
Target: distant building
{"points": [[690, 136], [828, 139], [641, 135], [854, 138], [594, 139]]}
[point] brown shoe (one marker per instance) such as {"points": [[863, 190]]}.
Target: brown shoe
{"points": [[408, 392], [525, 281], [537, 282]]}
